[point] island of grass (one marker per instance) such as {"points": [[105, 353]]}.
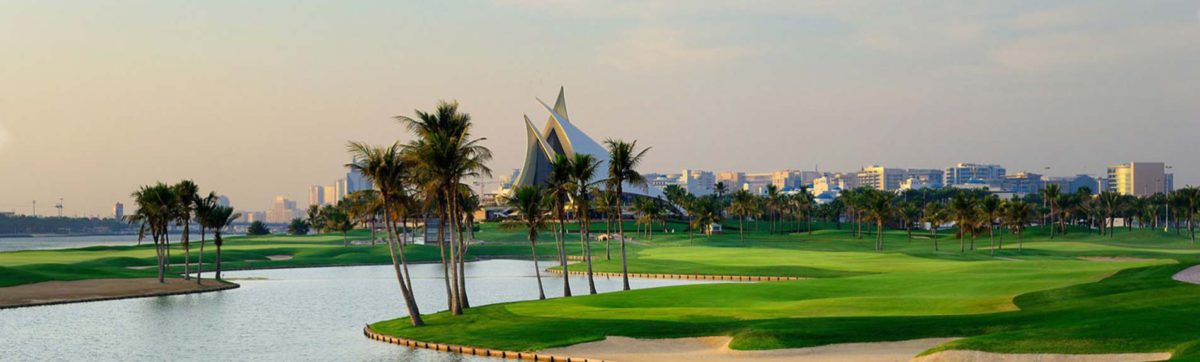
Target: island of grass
{"points": [[1053, 296]]}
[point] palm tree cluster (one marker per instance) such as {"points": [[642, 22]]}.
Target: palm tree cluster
{"points": [[160, 205]]}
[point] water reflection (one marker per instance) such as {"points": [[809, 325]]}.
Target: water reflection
{"points": [[314, 314]]}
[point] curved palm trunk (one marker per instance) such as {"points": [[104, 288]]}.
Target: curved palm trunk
{"points": [[218, 241], [200, 259], [537, 271], [414, 312], [560, 238], [441, 235], [187, 253]]}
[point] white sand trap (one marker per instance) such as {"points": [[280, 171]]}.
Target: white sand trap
{"points": [[280, 257], [1189, 275], [140, 267], [1113, 259], [973, 356], [713, 349]]}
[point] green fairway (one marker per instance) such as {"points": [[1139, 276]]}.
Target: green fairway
{"points": [[1044, 298]]}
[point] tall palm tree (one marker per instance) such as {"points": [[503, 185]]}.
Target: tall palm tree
{"points": [[720, 189], [1016, 215], [964, 208], [338, 220], [446, 153], [583, 171], [204, 210], [1051, 194], [989, 212], [606, 202], [386, 169], [186, 194], [530, 204], [935, 215], [313, 216], [880, 209], [1108, 205], [157, 208], [1190, 197], [219, 218], [742, 205], [909, 213], [364, 206], [559, 189], [623, 160]]}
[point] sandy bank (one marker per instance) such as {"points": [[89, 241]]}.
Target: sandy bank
{"points": [[713, 349], [57, 292], [973, 356], [279, 257], [1113, 259], [1189, 275]]}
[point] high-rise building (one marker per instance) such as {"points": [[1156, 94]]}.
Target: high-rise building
{"points": [[1138, 178], [283, 211], [963, 173], [733, 180], [118, 211], [1022, 183], [697, 182], [1072, 184], [316, 195], [882, 178], [330, 195]]}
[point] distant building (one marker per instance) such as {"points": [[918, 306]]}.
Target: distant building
{"points": [[118, 211], [330, 195], [697, 182], [316, 195], [931, 178], [1022, 183], [252, 216], [1138, 178], [283, 211], [1072, 184], [963, 173], [882, 178]]}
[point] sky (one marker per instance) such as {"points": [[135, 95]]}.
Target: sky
{"points": [[258, 99]]}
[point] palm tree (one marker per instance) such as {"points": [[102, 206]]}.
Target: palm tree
{"points": [[910, 214], [742, 206], [880, 209], [338, 220], [720, 189], [1016, 215], [623, 161], [583, 170], [157, 208], [1190, 200], [963, 207], [605, 202], [313, 216], [1051, 194], [186, 195], [363, 206], [989, 211], [219, 218], [530, 204], [386, 169], [444, 154], [559, 188], [1108, 205], [935, 215], [204, 209]]}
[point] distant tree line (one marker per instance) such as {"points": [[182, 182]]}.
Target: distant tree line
{"points": [[25, 225]]}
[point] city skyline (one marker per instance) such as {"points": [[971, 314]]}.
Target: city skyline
{"points": [[173, 92]]}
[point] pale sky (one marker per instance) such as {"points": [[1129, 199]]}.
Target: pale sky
{"points": [[258, 98]]}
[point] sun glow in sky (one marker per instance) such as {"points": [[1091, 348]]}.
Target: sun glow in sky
{"points": [[257, 99]]}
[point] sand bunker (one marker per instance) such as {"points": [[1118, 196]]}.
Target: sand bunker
{"points": [[280, 257], [1113, 259], [973, 356], [713, 349], [1189, 275], [84, 290]]}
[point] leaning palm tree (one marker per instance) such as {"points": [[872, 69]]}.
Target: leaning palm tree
{"points": [[529, 202], [583, 170], [623, 160], [386, 168], [742, 205]]}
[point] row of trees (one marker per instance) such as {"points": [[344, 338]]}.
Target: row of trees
{"points": [[160, 205], [575, 186], [1176, 209]]}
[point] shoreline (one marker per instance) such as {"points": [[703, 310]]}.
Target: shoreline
{"points": [[473, 351], [40, 299]]}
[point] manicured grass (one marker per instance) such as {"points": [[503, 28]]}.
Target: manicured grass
{"points": [[1040, 299]]}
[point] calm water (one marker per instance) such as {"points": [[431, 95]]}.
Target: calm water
{"points": [[65, 242], [292, 314]]}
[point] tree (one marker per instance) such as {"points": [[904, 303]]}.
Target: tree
{"points": [[880, 209], [219, 218], [338, 221], [1109, 202], [559, 188], [364, 206], [964, 208], [742, 205], [583, 170], [1190, 200], [387, 170], [298, 227], [989, 211], [909, 213], [1051, 194], [204, 209], [623, 160], [445, 153], [156, 210], [530, 203], [185, 201], [720, 189], [935, 215], [257, 228], [606, 203], [1016, 215], [314, 218]]}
